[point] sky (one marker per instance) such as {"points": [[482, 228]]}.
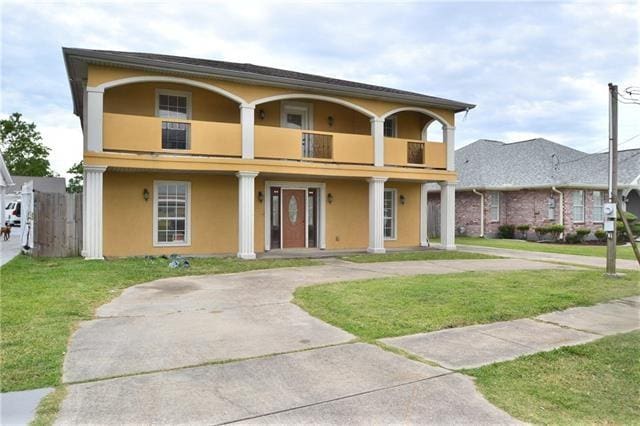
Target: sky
{"points": [[534, 69]]}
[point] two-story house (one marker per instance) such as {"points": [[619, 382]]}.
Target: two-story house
{"points": [[196, 156]]}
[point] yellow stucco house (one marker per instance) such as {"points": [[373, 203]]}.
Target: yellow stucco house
{"points": [[200, 157]]}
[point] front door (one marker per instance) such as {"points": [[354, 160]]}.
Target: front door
{"points": [[293, 218]]}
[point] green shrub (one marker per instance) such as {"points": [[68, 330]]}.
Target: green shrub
{"points": [[555, 231], [600, 234], [541, 231], [572, 239], [506, 231], [523, 230], [581, 233], [634, 224]]}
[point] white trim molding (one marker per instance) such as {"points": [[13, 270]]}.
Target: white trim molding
{"points": [[247, 123], [377, 131], [92, 219], [301, 96], [246, 190], [376, 214], [168, 79], [322, 209], [417, 109], [394, 214], [448, 215], [424, 214]]}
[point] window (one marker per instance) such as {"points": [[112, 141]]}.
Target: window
{"points": [[551, 208], [494, 206], [578, 206], [390, 214], [175, 135], [172, 213], [390, 127], [173, 104], [598, 202]]}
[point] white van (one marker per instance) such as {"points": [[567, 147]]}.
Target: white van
{"points": [[12, 213]]}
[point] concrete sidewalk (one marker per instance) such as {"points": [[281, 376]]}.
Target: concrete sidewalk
{"points": [[591, 261], [10, 249], [477, 345]]}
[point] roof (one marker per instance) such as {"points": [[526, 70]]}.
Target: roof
{"points": [[76, 61], [5, 177], [487, 164], [41, 183]]}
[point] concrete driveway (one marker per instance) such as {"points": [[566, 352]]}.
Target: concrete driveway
{"points": [[228, 348]]}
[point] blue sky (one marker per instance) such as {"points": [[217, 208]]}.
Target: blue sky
{"points": [[534, 69]]}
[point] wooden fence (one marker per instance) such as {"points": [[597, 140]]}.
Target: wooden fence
{"points": [[57, 224], [433, 220]]}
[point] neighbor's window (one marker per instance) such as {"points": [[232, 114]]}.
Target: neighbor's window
{"points": [[494, 206], [390, 127], [578, 206], [551, 208], [598, 201], [171, 205], [390, 214], [172, 104]]}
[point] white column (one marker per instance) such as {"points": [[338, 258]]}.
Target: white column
{"points": [[247, 123], [448, 215], [246, 214], [424, 208], [93, 123], [377, 131], [376, 215], [92, 219], [450, 140]]}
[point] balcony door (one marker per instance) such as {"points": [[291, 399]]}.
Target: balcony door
{"points": [[296, 115], [294, 223]]}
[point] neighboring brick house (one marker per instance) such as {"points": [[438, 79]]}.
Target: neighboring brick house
{"points": [[536, 182]]}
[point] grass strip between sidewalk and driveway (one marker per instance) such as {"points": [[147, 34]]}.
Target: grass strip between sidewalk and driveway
{"points": [[42, 300], [622, 252], [594, 383], [430, 254], [396, 306]]}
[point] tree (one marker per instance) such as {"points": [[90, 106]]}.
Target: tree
{"points": [[75, 183], [22, 148]]}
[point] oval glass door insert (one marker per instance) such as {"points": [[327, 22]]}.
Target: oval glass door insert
{"points": [[293, 210]]}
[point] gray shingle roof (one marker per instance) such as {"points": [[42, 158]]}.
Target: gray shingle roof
{"points": [[76, 60], [537, 163]]}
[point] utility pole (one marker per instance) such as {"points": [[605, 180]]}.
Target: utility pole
{"points": [[613, 177]]}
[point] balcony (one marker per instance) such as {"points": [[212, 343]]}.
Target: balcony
{"points": [[123, 132], [295, 144], [414, 153]]}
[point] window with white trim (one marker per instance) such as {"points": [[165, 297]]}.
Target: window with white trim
{"points": [[577, 209], [172, 203], [389, 220], [390, 127], [551, 208], [597, 214], [494, 206], [173, 104]]}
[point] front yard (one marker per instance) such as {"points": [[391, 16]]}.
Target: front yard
{"points": [[622, 252], [42, 299], [596, 383], [387, 307]]}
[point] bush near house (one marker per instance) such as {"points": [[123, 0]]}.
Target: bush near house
{"points": [[581, 233], [600, 234], [541, 231], [506, 231], [523, 230], [555, 231], [634, 224]]}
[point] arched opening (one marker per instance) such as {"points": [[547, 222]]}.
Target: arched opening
{"points": [[433, 132], [633, 202]]}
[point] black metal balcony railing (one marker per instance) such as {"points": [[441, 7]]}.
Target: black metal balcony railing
{"points": [[317, 145], [415, 153], [175, 135]]}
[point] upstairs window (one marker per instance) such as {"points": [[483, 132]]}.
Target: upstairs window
{"points": [[578, 206], [175, 135], [390, 127], [598, 201], [494, 206], [173, 104]]}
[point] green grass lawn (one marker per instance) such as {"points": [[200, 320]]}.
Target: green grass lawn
{"points": [[386, 307], [595, 383], [416, 255], [42, 299], [579, 249]]}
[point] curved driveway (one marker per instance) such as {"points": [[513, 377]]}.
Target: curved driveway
{"points": [[226, 348]]}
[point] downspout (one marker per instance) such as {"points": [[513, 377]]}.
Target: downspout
{"points": [[553, 188], [481, 212]]}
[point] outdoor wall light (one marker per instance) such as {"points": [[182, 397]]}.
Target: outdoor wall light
{"points": [[330, 198], [330, 120], [260, 196], [145, 194], [402, 199], [261, 114]]}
